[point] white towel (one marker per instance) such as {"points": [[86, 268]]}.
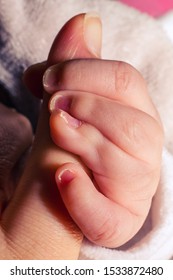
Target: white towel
{"points": [[27, 30]]}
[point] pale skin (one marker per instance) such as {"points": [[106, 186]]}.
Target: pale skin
{"points": [[101, 111], [119, 139], [36, 224]]}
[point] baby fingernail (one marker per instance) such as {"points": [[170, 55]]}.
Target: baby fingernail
{"points": [[59, 102], [51, 78], [65, 177], [75, 123]]}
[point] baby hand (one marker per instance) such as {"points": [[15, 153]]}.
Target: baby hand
{"points": [[102, 113]]}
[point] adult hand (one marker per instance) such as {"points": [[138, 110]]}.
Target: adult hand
{"points": [[15, 140], [36, 225]]}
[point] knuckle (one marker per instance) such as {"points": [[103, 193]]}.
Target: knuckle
{"points": [[21, 130], [23, 125], [122, 77], [142, 136], [132, 129], [107, 234], [15, 133], [127, 77]]}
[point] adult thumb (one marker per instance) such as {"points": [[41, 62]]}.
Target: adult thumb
{"points": [[81, 37], [36, 223]]}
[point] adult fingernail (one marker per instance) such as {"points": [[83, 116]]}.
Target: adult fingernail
{"points": [[93, 33]]}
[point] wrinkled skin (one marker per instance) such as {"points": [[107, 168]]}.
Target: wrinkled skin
{"points": [[35, 224], [15, 140]]}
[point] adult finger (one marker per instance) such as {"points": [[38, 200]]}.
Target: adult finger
{"points": [[15, 140], [36, 222], [85, 44], [33, 77]]}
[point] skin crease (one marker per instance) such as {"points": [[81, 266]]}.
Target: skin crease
{"points": [[124, 156], [36, 225], [15, 140], [137, 144]]}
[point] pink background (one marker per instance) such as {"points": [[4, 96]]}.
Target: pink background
{"points": [[152, 7]]}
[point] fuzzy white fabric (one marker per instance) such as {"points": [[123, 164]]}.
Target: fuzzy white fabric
{"points": [[27, 31], [166, 21]]}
